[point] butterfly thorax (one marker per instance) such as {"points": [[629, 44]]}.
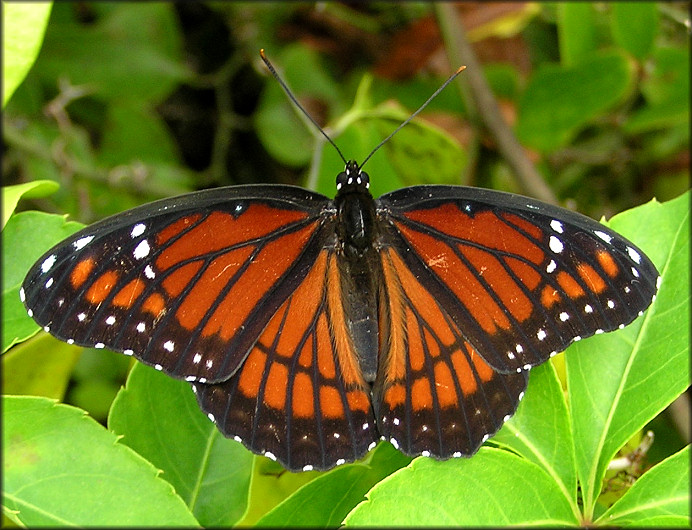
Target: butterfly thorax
{"points": [[360, 268]]}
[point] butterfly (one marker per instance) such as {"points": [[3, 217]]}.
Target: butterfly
{"points": [[310, 328]]}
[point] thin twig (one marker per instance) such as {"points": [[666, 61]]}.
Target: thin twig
{"points": [[483, 106]]}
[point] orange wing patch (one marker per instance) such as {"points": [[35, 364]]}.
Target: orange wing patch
{"points": [[81, 272], [102, 287]]}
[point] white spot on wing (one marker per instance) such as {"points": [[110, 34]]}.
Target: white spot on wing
{"points": [[82, 242], [636, 257], [556, 225], [197, 358], [142, 249], [22, 295], [556, 245], [541, 334], [110, 320], [605, 237], [551, 267], [169, 345], [149, 272], [48, 263], [138, 230], [141, 327], [564, 316]]}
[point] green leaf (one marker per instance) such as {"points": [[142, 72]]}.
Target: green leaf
{"points": [[540, 430], [576, 26], [211, 473], [62, 468], [420, 153], [40, 366], [668, 78], [327, 500], [660, 497], [494, 487], [558, 101], [135, 132], [647, 365], [634, 26], [25, 238], [23, 27], [92, 54], [31, 190]]}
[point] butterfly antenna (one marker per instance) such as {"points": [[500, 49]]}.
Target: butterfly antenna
{"points": [[449, 80], [295, 101]]}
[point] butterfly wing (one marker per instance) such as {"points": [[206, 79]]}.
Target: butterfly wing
{"points": [[434, 395], [184, 284], [520, 279], [299, 397]]}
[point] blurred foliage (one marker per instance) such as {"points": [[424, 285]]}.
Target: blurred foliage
{"points": [[120, 111], [129, 102]]}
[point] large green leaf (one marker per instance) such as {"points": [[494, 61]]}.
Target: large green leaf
{"points": [[62, 468], [92, 54], [576, 26], [634, 26], [647, 364], [159, 418], [23, 26], [559, 101], [540, 430], [494, 488]]}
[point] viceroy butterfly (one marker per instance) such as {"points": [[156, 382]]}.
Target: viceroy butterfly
{"points": [[310, 328]]}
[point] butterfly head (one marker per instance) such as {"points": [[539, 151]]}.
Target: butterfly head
{"points": [[352, 179]]}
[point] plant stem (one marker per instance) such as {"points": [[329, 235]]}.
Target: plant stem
{"points": [[482, 106]]}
